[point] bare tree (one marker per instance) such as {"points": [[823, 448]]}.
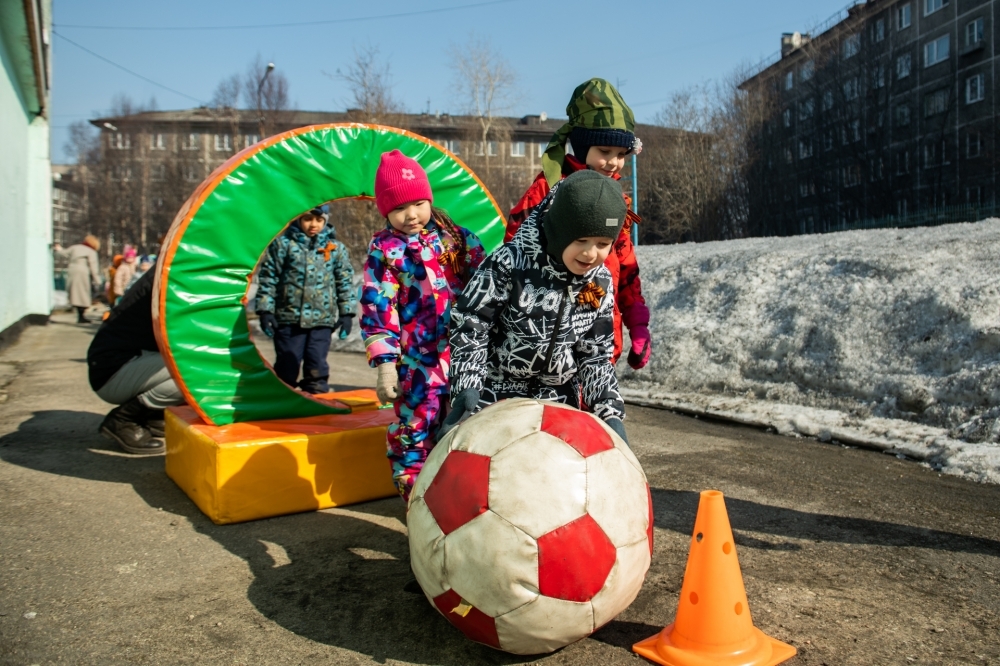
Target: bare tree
{"points": [[265, 89], [369, 81]]}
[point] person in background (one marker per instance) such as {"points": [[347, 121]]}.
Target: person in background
{"points": [[84, 275], [416, 267], [109, 287], [304, 295], [124, 273], [126, 369], [145, 263], [600, 133]]}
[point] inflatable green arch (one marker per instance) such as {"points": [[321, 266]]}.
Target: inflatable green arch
{"points": [[222, 230]]}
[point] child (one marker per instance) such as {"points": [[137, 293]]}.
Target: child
{"points": [[124, 273], [600, 132], [536, 320], [305, 294], [415, 267]]}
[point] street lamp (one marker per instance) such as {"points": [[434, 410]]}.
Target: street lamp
{"points": [[260, 86]]}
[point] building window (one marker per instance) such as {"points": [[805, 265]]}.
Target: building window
{"points": [[789, 80], [936, 102], [903, 115], [119, 172], [851, 175], [903, 162], [119, 141], [973, 145], [452, 145], [250, 139], [223, 142], [855, 130], [541, 148], [901, 207], [930, 155], [807, 70], [517, 149], [974, 32], [827, 100], [974, 89], [786, 117], [157, 142], [974, 195], [851, 47], [158, 172], [806, 109], [903, 65], [807, 189], [878, 76], [937, 51], [828, 140], [851, 89], [878, 31], [805, 149], [190, 172], [903, 17], [789, 157], [493, 148], [931, 6], [191, 142]]}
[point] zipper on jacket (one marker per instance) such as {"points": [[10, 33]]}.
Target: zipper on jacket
{"points": [[555, 333]]}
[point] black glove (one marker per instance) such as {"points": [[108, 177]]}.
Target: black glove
{"points": [[619, 428], [461, 409], [345, 323], [268, 323]]}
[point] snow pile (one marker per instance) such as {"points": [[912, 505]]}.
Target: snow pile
{"points": [[886, 338]]}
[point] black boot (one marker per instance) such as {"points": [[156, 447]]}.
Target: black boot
{"points": [[124, 425], [80, 319], [154, 422]]}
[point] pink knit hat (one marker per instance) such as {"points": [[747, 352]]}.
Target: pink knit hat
{"points": [[129, 253], [399, 180]]}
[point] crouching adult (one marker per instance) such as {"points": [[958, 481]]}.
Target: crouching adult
{"points": [[126, 369]]}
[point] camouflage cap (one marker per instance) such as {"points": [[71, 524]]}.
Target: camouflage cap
{"points": [[594, 104]]}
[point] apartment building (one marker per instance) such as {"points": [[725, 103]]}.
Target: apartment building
{"points": [[889, 109]]}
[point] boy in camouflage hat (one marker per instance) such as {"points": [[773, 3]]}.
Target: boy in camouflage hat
{"points": [[600, 132]]}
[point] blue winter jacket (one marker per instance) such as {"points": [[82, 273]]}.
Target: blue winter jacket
{"points": [[306, 281]]}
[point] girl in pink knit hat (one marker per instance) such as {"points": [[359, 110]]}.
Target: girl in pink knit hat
{"points": [[415, 269]]}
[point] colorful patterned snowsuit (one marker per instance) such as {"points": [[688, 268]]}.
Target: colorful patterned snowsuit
{"points": [[630, 306], [406, 304]]}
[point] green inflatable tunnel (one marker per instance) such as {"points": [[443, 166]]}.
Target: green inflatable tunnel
{"points": [[223, 229]]}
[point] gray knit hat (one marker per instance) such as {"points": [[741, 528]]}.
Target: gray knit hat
{"points": [[585, 204]]}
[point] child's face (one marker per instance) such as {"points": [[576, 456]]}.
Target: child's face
{"points": [[585, 254], [606, 160], [411, 217], [311, 225]]}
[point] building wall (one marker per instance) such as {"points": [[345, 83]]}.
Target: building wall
{"points": [[902, 154], [25, 213]]}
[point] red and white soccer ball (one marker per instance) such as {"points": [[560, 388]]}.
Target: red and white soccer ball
{"points": [[530, 526]]}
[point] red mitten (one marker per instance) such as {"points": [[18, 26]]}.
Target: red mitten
{"points": [[638, 355]]}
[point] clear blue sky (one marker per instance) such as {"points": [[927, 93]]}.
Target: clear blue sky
{"points": [[651, 47]]}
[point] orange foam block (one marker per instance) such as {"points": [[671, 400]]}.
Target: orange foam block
{"points": [[258, 469]]}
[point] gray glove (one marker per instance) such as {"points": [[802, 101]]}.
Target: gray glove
{"points": [[619, 428], [387, 386], [462, 408]]}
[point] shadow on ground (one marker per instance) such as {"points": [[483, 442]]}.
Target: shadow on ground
{"points": [[332, 578], [338, 578]]}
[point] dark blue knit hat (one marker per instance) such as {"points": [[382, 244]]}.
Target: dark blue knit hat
{"points": [[582, 138]]}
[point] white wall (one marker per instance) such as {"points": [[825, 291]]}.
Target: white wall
{"points": [[25, 205]]}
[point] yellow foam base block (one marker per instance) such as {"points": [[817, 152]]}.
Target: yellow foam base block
{"points": [[258, 469]]}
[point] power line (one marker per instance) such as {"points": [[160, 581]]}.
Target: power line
{"points": [[290, 25], [125, 69]]}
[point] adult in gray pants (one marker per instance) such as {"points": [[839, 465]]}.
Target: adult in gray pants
{"points": [[126, 369]]}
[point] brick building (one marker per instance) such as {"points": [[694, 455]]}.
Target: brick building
{"points": [[889, 110]]}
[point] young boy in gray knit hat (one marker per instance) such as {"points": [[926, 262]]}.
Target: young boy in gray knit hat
{"points": [[536, 319]]}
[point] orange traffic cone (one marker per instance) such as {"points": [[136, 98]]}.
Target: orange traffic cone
{"points": [[713, 624]]}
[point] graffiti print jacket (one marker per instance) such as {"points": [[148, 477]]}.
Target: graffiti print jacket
{"points": [[525, 316], [630, 306], [409, 286], [306, 281]]}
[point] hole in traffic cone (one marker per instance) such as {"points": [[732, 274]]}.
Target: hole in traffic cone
{"points": [[713, 623]]}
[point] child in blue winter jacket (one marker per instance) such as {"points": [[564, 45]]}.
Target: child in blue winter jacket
{"points": [[305, 294]]}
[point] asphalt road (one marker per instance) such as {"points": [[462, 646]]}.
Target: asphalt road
{"points": [[852, 556]]}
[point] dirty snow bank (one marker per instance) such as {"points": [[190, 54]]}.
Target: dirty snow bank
{"points": [[887, 338]]}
